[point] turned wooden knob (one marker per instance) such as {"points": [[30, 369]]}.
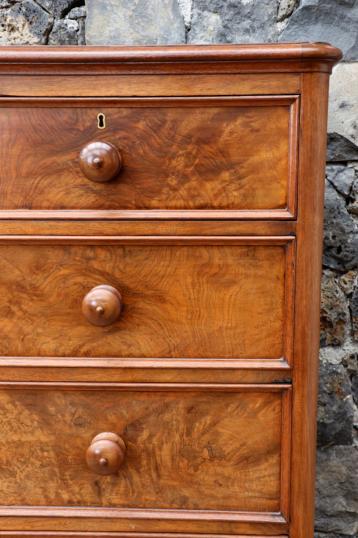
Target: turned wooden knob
{"points": [[102, 305], [100, 161], [106, 453]]}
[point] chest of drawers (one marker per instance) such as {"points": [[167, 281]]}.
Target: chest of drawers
{"points": [[160, 252]]}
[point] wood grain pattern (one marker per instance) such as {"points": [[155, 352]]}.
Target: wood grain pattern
{"points": [[223, 152], [269, 58], [309, 262], [184, 451], [172, 291], [147, 227], [144, 370], [245, 161], [142, 521], [15, 534], [149, 85]]}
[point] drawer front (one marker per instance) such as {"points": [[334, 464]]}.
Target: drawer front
{"points": [[212, 448], [236, 154], [180, 297]]}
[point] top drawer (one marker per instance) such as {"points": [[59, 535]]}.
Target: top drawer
{"points": [[235, 157]]}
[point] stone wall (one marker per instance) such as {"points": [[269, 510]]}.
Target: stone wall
{"points": [[64, 22]]}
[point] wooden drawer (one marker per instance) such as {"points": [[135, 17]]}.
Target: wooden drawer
{"points": [[235, 156], [208, 448], [182, 297]]}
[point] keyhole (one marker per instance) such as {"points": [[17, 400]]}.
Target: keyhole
{"points": [[101, 119]]}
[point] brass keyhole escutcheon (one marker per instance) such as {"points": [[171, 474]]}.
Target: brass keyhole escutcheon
{"points": [[101, 120]]}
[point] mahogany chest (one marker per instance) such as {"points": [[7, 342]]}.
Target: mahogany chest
{"points": [[160, 260]]}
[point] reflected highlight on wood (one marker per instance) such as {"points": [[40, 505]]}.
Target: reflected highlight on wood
{"points": [[100, 161], [106, 453], [102, 305]]}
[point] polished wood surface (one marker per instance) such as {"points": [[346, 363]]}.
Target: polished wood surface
{"points": [[102, 305], [106, 453], [160, 223], [100, 161], [150, 85], [245, 161], [179, 59], [208, 449], [228, 298], [309, 264], [121, 535]]}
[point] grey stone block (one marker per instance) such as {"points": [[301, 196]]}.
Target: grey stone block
{"points": [[350, 362], [286, 8], [348, 281], [333, 21], [59, 8], [70, 30], [241, 21], [185, 6], [343, 102], [24, 23], [353, 199], [334, 311], [340, 233], [125, 22], [341, 177], [335, 404], [340, 149], [65, 32], [354, 311], [337, 490]]}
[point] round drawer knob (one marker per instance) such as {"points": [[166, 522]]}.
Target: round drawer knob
{"points": [[100, 161], [102, 305], [106, 453]]}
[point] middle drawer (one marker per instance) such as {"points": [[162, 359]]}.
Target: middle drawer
{"points": [[181, 297]]}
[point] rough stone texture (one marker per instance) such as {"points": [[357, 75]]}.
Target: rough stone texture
{"points": [[24, 23], [58, 8], [354, 310], [353, 204], [333, 21], [240, 21], [337, 495], [70, 30], [337, 491], [350, 362], [41, 22], [215, 21], [340, 149], [343, 102], [341, 177], [134, 22], [286, 8], [335, 402], [185, 7], [334, 311]]}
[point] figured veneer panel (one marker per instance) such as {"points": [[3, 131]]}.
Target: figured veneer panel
{"points": [[207, 448], [234, 154], [182, 297]]}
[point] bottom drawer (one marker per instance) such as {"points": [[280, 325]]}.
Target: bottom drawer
{"points": [[208, 448]]}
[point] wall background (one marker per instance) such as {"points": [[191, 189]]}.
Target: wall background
{"points": [[72, 22]]}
